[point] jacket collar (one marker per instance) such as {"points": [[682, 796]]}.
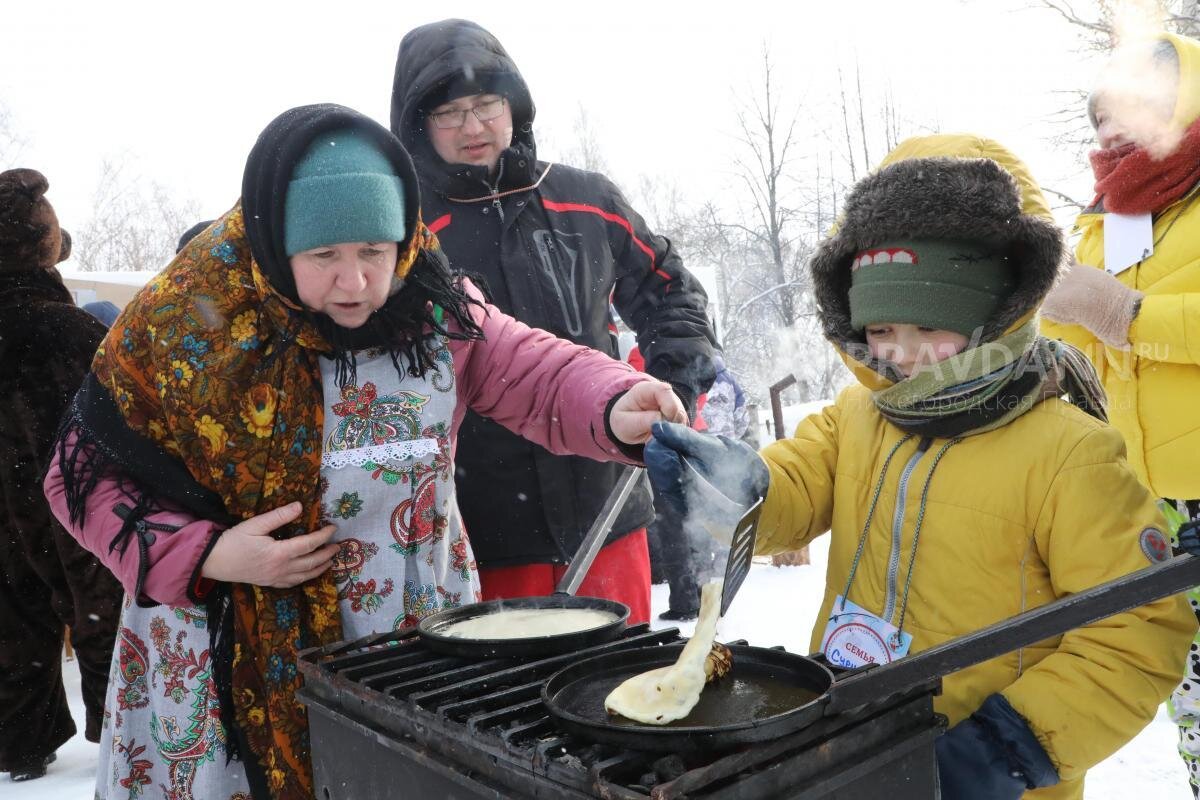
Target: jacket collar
{"points": [[518, 168], [22, 286]]}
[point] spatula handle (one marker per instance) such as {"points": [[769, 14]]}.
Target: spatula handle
{"points": [[595, 537], [1053, 619]]}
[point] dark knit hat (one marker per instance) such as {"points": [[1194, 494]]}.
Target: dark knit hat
{"points": [[192, 233], [29, 227], [944, 284], [468, 83], [956, 215], [104, 310], [343, 189]]}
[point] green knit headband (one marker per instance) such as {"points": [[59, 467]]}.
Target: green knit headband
{"points": [[935, 283], [343, 189]]}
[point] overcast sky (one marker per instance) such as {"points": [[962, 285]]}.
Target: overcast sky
{"points": [[181, 90]]}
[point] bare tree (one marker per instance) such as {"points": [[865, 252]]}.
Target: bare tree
{"points": [[1101, 26], [1103, 23], [878, 127], [759, 239], [1064, 200], [846, 126], [134, 224], [891, 121], [862, 120], [792, 181], [665, 206], [12, 144], [788, 186], [585, 150], [767, 140]]}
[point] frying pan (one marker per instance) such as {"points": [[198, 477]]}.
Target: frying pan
{"points": [[433, 628], [770, 693]]}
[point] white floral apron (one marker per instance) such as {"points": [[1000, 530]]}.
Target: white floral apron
{"points": [[388, 483]]}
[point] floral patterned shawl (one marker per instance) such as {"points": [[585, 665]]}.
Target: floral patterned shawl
{"points": [[220, 372]]}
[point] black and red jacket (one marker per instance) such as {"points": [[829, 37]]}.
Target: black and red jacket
{"points": [[554, 244]]}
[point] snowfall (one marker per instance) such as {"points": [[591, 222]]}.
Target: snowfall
{"points": [[775, 606]]}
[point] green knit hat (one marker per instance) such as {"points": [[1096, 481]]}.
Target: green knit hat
{"points": [[343, 189], [935, 283]]}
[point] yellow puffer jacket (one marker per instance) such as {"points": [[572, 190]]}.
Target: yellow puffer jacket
{"points": [[1015, 518], [1154, 388], [1012, 519]]}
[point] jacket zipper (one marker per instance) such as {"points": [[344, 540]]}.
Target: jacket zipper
{"points": [[143, 527], [496, 191], [889, 608]]}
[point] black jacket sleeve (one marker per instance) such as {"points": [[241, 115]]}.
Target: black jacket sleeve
{"points": [[662, 302]]}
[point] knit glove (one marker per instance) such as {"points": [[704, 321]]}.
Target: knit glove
{"points": [[1092, 298], [992, 755], [709, 480]]}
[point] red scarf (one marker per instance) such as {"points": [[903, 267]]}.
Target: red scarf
{"points": [[1131, 181]]}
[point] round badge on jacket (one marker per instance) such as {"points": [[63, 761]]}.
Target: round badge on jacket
{"points": [[1155, 545]]}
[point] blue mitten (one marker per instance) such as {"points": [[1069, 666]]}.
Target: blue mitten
{"points": [[1189, 537], [731, 467], [992, 755]]}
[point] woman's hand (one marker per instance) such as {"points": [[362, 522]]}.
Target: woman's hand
{"points": [[246, 553], [1092, 298], [640, 407]]}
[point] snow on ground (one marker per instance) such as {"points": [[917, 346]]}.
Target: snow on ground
{"points": [[792, 415], [776, 606]]}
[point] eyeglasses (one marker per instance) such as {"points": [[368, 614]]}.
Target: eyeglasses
{"points": [[454, 118]]}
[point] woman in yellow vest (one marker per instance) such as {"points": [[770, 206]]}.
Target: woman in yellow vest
{"points": [[1132, 299]]}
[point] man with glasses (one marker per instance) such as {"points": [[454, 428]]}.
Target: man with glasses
{"points": [[554, 244]]}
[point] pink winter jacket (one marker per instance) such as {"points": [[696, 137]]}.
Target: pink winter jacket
{"points": [[543, 388]]}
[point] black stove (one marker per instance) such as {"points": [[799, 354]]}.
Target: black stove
{"points": [[390, 718]]}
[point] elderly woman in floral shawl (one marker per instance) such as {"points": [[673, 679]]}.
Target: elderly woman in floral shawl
{"points": [[263, 451]]}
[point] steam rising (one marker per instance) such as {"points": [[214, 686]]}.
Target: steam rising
{"points": [[1137, 88], [712, 517]]}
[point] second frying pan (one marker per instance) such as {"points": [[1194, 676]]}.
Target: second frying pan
{"points": [[770, 693], [434, 628]]}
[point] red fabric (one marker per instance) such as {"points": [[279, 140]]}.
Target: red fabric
{"points": [[620, 572], [203, 586], [551, 205], [635, 359], [1131, 181], [698, 424]]}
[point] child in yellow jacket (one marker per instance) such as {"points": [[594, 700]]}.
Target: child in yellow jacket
{"points": [[959, 487]]}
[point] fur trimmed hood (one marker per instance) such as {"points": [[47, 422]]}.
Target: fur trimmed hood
{"points": [[936, 198]]}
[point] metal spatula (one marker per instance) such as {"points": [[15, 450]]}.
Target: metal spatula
{"points": [[594, 540], [741, 551]]}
